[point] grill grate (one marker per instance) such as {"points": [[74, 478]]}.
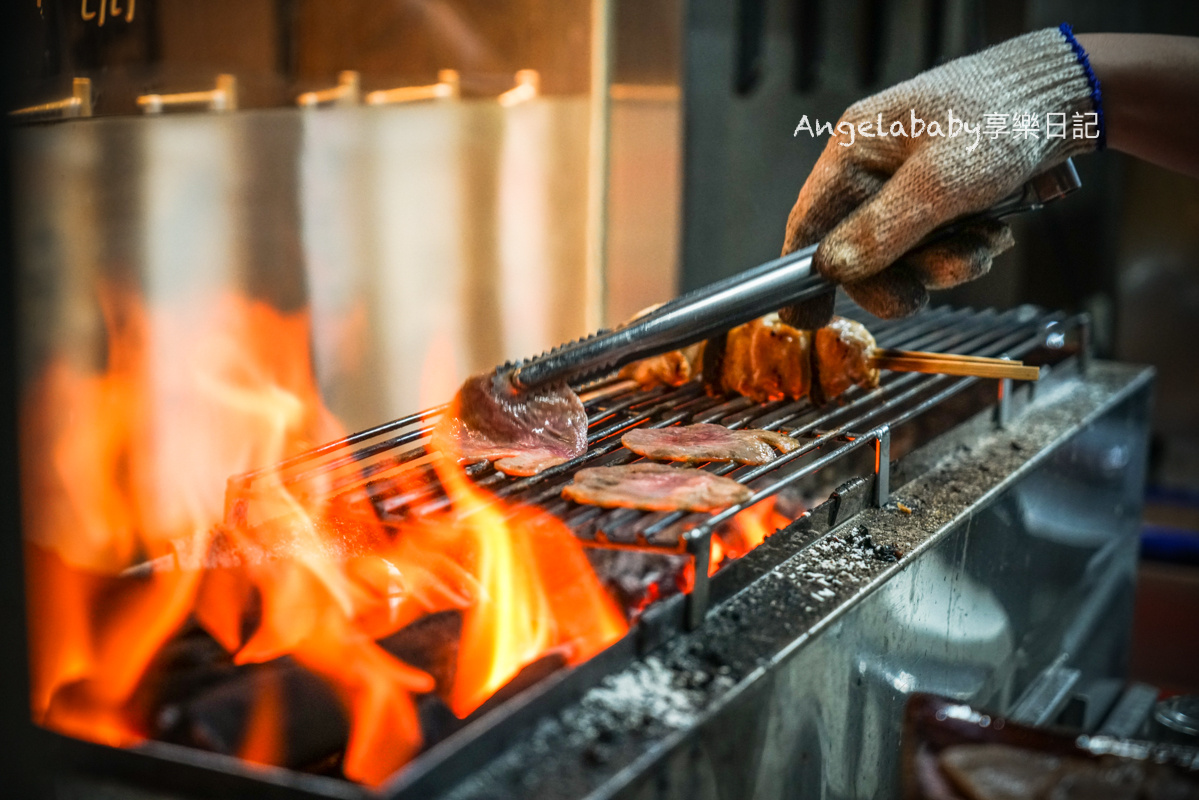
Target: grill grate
{"points": [[390, 465]]}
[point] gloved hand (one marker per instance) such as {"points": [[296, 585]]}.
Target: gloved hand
{"points": [[873, 200]]}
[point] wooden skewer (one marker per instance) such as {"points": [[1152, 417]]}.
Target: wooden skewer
{"points": [[950, 364], [924, 355]]}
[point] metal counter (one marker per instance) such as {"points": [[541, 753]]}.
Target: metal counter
{"points": [[1022, 570]]}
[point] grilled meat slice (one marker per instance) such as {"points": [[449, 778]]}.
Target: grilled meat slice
{"points": [[843, 357], [655, 487], [705, 442], [668, 369], [524, 432]]}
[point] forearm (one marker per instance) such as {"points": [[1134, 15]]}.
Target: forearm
{"points": [[1150, 87]]}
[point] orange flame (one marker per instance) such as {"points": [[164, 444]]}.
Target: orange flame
{"points": [[745, 531], [263, 741], [127, 466], [537, 593]]}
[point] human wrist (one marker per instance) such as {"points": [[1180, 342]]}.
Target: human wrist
{"points": [[1150, 95]]}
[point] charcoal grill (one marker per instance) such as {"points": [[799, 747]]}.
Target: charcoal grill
{"points": [[788, 667], [374, 459]]}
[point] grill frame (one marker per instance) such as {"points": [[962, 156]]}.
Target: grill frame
{"points": [[198, 773], [374, 459]]}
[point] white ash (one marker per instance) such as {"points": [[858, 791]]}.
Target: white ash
{"points": [[644, 695], [647, 699], [833, 562]]}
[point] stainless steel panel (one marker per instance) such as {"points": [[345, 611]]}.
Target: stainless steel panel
{"points": [[1027, 570], [1044, 572], [451, 234]]}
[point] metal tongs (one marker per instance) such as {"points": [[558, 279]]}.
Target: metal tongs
{"points": [[720, 306]]}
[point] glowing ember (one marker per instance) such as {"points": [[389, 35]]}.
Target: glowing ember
{"points": [[537, 593], [129, 539], [745, 531]]}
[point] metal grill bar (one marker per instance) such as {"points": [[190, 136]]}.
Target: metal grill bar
{"points": [[686, 404], [627, 527], [392, 466]]}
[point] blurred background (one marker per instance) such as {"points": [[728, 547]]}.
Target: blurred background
{"points": [[441, 185]]}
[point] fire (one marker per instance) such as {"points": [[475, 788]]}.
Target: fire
{"points": [[537, 593], [263, 741], [745, 531], [131, 536]]}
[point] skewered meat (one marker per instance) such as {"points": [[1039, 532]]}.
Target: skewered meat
{"points": [[704, 442], [843, 351], [766, 359], [655, 487], [668, 369], [525, 432]]}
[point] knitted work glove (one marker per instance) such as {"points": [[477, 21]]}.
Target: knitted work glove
{"points": [[870, 202]]}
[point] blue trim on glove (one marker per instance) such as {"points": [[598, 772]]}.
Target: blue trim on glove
{"points": [[1096, 93]]}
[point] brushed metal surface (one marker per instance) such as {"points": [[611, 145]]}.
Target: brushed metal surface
{"points": [[450, 234], [1035, 572]]}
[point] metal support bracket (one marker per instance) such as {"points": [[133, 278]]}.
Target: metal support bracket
{"points": [[1046, 696], [528, 87], [79, 104], [222, 97], [1003, 408], [448, 86], [346, 93], [700, 549], [882, 465]]}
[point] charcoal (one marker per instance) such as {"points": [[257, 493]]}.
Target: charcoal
{"points": [[184, 667], [635, 579], [532, 673], [887, 552], [791, 503], [208, 702], [313, 722], [430, 644]]}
